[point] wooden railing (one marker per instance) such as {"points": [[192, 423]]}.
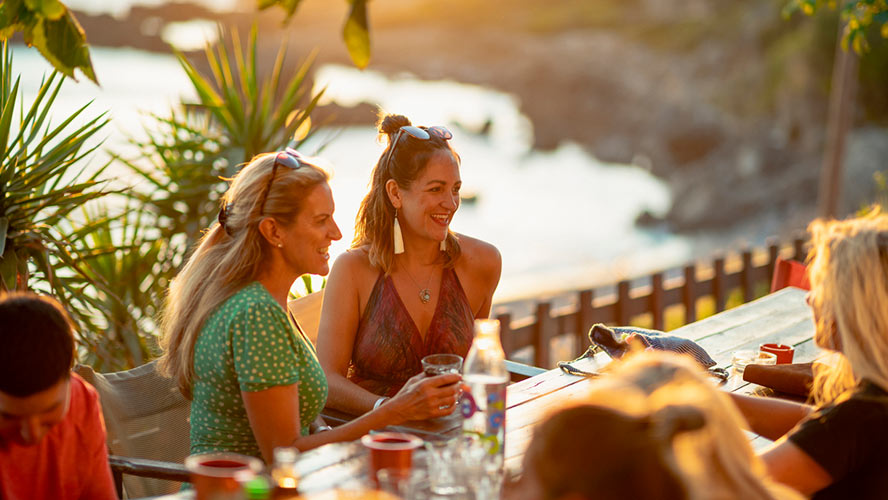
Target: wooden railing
{"points": [[652, 295]]}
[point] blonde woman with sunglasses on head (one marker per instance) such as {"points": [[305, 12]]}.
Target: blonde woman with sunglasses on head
{"points": [[837, 448], [251, 373], [409, 286]]}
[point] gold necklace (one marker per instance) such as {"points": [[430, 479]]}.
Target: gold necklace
{"points": [[425, 294]]}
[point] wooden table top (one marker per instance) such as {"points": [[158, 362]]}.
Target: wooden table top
{"points": [[782, 317]]}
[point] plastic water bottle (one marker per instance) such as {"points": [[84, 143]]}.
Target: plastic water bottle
{"points": [[483, 402]]}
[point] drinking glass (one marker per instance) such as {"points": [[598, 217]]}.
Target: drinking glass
{"points": [[393, 450], [218, 476], [446, 467], [741, 359], [438, 364], [408, 485]]}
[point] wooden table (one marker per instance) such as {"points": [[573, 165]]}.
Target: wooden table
{"points": [[782, 317]]}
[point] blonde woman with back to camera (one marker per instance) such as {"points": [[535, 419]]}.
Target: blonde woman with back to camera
{"points": [[253, 376], [836, 448], [409, 286]]}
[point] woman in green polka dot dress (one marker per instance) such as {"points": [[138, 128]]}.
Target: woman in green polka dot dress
{"points": [[253, 376]]}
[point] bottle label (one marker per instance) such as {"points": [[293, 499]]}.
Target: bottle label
{"points": [[486, 421]]}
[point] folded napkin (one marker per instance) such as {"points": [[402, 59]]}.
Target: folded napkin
{"points": [[793, 378], [615, 341]]}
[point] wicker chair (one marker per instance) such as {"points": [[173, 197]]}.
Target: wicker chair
{"points": [[148, 429]]}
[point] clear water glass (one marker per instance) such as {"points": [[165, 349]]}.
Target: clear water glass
{"points": [[741, 359]]}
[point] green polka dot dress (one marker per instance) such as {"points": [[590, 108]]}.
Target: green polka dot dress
{"points": [[248, 344]]}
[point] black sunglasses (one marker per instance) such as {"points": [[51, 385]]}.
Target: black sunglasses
{"points": [[422, 134], [289, 158]]}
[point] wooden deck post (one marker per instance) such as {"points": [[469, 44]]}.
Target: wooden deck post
{"points": [[506, 337], [584, 319], [622, 306], [656, 301], [543, 333], [747, 282], [688, 293], [718, 284]]}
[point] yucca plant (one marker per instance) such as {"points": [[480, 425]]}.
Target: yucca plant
{"points": [[43, 180], [239, 113], [135, 274]]}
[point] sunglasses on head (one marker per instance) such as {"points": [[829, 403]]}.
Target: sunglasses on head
{"points": [[289, 158], [422, 134]]}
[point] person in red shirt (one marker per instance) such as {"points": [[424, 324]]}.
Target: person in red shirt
{"points": [[52, 436]]}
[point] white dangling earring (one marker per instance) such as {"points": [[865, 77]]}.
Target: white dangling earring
{"points": [[399, 240], [443, 245]]}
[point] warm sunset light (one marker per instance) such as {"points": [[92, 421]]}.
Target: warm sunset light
{"points": [[415, 249]]}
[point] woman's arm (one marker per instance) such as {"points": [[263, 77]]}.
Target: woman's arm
{"points": [[788, 464], [274, 413], [340, 315], [770, 417]]}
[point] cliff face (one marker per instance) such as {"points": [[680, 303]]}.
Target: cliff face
{"points": [[724, 100]]}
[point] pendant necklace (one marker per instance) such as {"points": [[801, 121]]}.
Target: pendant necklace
{"points": [[425, 295]]}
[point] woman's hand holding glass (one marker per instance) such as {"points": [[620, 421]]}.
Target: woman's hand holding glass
{"points": [[424, 397]]}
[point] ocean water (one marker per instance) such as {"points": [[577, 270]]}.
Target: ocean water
{"points": [[561, 219]]}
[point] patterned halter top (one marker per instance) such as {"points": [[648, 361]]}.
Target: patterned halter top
{"points": [[388, 345]]}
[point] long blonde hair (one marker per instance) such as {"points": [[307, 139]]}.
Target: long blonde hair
{"points": [[376, 215], [715, 460], [228, 257], [848, 269]]}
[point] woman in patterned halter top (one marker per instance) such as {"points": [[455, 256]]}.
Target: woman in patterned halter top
{"points": [[408, 287]]}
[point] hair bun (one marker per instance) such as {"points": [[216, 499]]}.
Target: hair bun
{"points": [[390, 124]]}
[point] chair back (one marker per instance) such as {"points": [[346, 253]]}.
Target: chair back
{"points": [[789, 273], [307, 311], [146, 417]]}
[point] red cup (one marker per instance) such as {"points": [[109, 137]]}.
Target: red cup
{"points": [[391, 450], [219, 475], [783, 352]]}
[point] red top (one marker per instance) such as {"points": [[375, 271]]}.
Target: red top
{"points": [[388, 346], [70, 462]]}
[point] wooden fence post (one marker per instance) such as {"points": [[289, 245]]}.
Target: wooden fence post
{"points": [[506, 337], [584, 319], [773, 253], [543, 334], [688, 295], [656, 303], [746, 276], [718, 284], [622, 305]]}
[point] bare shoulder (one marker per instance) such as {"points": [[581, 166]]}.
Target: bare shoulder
{"points": [[478, 256], [353, 264]]}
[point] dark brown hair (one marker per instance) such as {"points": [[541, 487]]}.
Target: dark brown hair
{"points": [[373, 224], [37, 342]]}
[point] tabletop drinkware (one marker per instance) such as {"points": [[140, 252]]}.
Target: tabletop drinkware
{"points": [[439, 364], [390, 450], [741, 359], [783, 352], [220, 476]]}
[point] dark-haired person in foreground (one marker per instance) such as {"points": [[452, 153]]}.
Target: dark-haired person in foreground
{"points": [[52, 437]]}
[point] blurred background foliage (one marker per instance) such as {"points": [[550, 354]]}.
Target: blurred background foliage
{"points": [[109, 255]]}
